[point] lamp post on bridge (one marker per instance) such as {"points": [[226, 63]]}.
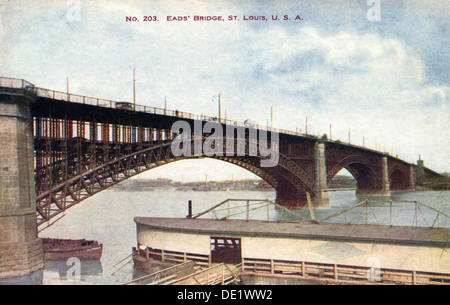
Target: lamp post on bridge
{"points": [[219, 119], [271, 117], [364, 142], [134, 89], [306, 126]]}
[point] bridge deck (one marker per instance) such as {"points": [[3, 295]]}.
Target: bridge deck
{"points": [[364, 233]]}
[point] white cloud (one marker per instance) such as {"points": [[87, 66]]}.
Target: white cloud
{"points": [[348, 78], [362, 81]]}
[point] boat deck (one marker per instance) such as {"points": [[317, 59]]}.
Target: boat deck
{"points": [[368, 233]]}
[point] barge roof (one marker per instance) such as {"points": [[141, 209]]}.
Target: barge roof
{"points": [[352, 232]]}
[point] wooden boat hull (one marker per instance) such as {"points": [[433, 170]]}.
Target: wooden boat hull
{"points": [[59, 249], [84, 254]]}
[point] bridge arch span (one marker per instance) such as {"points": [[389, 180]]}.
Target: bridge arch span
{"points": [[59, 198], [362, 169], [399, 178]]}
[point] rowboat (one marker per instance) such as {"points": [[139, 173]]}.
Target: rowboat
{"points": [[63, 249]]}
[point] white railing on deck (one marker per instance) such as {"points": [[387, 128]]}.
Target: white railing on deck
{"points": [[75, 98]]}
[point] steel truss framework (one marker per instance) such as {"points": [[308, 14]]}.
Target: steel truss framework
{"points": [[70, 170], [75, 160]]}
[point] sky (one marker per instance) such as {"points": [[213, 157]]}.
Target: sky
{"points": [[378, 69]]}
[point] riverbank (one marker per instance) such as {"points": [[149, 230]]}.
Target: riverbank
{"points": [[437, 184], [137, 185]]}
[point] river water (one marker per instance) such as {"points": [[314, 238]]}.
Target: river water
{"points": [[108, 218]]}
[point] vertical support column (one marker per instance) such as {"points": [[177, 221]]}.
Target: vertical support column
{"points": [[141, 134], [412, 178], [420, 174], [21, 250], [385, 187], [124, 134], [93, 136], [81, 129], [129, 134], [105, 132], [134, 134], [321, 199]]}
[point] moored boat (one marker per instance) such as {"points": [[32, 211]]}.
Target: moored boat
{"points": [[62, 249]]}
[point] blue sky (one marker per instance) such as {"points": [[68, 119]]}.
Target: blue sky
{"points": [[386, 78]]}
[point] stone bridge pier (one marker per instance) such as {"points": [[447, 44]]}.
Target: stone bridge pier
{"points": [[295, 197], [321, 199], [21, 252], [372, 178]]}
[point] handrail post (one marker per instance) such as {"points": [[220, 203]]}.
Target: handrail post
{"points": [[311, 209], [367, 203], [248, 209], [303, 269], [335, 272], [223, 274], [390, 213], [416, 216]]}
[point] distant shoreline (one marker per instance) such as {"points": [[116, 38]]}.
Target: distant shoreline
{"points": [[338, 182], [223, 185]]}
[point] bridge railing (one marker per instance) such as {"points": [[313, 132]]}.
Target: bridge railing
{"points": [[16, 83], [75, 98], [380, 212], [81, 99], [260, 209]]}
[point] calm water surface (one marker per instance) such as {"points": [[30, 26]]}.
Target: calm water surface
{"points": [[108, 218]]}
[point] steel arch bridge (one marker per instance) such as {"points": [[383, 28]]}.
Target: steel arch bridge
{"points": [[84, 145]]}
